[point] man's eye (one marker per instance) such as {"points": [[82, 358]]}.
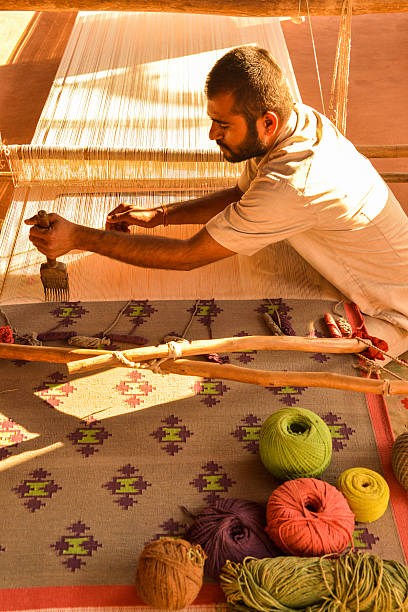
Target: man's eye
{"points": [[223, 126]]}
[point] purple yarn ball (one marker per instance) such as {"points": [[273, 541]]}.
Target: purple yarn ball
{"points": [[231, 529]]}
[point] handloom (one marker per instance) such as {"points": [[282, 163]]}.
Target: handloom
{"points": [[115, 96]]}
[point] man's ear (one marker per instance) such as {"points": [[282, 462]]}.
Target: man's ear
{"points": [[271, 123]]}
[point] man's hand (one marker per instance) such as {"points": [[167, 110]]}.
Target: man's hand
{"points": [[125, 215], [54, 241]]}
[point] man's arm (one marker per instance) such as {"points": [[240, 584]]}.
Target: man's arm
{"points": [[144, 251], [196, 211]]}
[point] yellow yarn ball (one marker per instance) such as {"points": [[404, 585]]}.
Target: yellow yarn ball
{"points": [[366, 491]]}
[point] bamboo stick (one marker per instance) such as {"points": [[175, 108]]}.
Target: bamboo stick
{"points": [[222, 345], [81, 356], [240, 8], [263, 378]]}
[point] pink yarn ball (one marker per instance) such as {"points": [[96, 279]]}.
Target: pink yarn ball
{"points": [[307, 517]]}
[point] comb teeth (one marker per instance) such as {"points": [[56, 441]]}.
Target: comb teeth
{"points": [[56, 294], [54, 278]]}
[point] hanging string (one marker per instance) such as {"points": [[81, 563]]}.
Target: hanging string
{"points": [[340, 81], [315, 57]]}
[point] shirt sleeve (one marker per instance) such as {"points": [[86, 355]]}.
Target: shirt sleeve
{"points": [[269, 211]]}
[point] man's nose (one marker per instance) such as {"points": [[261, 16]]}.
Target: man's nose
{"points": [[215, 131]]}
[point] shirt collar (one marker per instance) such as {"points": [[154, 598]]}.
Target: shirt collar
{"points": [[288, 129]]}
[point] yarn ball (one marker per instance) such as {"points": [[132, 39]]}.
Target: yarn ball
{"points": [[169, 573], [366, 491], [400, 459], [309, 517], [295, 443], [6, 335], [352, 582], [231, 529]]}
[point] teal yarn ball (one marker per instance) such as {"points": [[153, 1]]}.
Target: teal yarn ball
{"points": [[295, 443]]}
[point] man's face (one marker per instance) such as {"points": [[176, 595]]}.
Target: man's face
{"points": [[237, 139]]}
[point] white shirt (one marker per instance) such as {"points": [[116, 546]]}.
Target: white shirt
{"points": [[314, 189]]}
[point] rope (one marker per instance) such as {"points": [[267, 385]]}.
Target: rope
{"points": [[96, 341], [175, 351]]}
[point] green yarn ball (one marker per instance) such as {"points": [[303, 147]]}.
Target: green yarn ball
{"points": [[295, 443]]}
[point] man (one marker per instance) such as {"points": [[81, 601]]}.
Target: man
{"points": [[303, 182]]}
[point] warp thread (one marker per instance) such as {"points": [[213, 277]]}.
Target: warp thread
{"points": [[309, 517], [231, 529], [352, 582], [366, 491], [400, 459], [169, 574], [295, 443]]}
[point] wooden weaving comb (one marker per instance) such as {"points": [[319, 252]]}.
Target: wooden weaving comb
{"points": [[54, 275]]}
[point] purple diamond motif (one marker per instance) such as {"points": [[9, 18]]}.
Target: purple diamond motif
{"points": [[127, 486]]}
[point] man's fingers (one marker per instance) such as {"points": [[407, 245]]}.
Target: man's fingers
{"points": [[34, 220], [31, 220], [119, 209], [117, 227], [117, 217], [37, 231]]}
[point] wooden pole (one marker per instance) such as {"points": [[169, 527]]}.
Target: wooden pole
{"points": [[395, 177], [130, 153], [263, 378], [89, 357], [237, 8], [50, 354], [375, 150], [187, 367], [222, 345]]}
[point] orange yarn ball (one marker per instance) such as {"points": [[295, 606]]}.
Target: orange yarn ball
{"points": [[308, 518], [169, 574]]}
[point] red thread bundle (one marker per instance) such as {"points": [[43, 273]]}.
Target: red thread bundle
{"points": [[307, 517], [6, 335]]}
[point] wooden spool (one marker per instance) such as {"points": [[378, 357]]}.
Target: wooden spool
{"points": [[400, 459]]}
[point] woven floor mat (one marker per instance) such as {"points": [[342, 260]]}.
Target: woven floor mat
{"points": [[93, 468]]}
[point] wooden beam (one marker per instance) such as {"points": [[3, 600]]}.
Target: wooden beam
{"points": [[395, 177], [238, 8], [391, 150]]}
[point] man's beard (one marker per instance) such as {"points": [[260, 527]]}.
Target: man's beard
{"points": [[250, 147]]}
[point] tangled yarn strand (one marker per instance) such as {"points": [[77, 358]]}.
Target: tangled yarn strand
{"points": [[352, 583]]}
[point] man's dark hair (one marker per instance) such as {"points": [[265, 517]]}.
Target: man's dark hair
{"points": [[256, 81]]}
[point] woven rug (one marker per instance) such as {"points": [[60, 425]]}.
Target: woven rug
{"points": [[93, 468]]}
